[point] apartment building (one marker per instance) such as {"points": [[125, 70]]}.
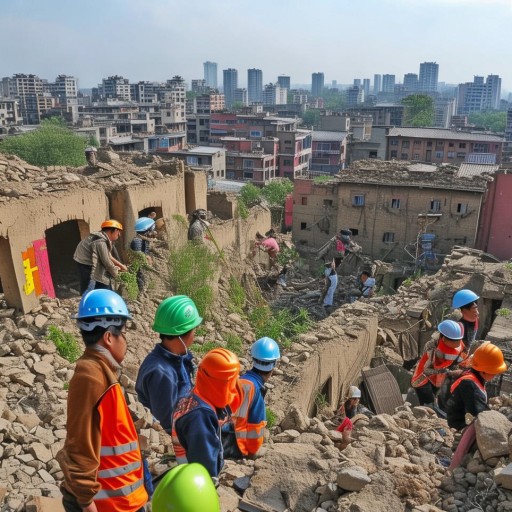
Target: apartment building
{"points": [[317, 85], [328, 151], [479, 95], [116, 87], [438, 145], [10, 114], [65, 89], [210, 160], [210, 74], [254, 85]]}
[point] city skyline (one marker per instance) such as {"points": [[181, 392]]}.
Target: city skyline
{"points": [[165, 38]]}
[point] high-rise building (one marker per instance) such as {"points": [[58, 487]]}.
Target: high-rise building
{"points": [[284, 81], [210, 74], [274, 94], [241, 96], [479, 95], [388, 84], [317, 84], [230, 84], [427, 81], [115, 87], [366, 88], [255, 85], [355, 95], [377, 84], [411, 82], [357, 82], [65, 88]]}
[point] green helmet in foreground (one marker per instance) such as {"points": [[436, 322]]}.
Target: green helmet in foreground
{"points": [[186, 488], [176, 316]]}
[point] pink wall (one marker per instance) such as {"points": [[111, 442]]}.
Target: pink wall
{"points": [[495, 226]]}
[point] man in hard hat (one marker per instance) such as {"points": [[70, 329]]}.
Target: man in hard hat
{"points": [[441, 357], [93, 255], [468, 395], [141, 244], [196, 435], [101, 459], [166, 373], [243, 436], [467, 302]]}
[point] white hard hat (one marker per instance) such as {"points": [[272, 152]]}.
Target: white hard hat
{"points": [[355, 392]]}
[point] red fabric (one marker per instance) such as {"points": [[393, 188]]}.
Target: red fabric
{"points": [[346, 424], [270, 244]]}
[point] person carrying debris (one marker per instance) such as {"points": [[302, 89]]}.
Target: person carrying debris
{"points": [[93, 255], [468, 395], [330, 285], [197, 227], [269, 245], [165, 375], [101, 458], [441, 358], [243, 435], [467, 302], [196, 429], [141, 244]]}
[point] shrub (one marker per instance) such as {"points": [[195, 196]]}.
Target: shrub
{"points": [[271, 417], [504, 312], [237, 296], [67, 345], [234, 343]]}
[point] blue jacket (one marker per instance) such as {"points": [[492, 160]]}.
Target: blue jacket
{"points": [[257, 411], [162, 380]]}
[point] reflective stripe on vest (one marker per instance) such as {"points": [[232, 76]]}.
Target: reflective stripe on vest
{"points": [[120, 472], [469, 376]]}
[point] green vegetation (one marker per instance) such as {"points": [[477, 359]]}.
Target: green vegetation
{"points": [[322, 179], [287, 256], [52, 144], [419, 110], [128, 280], [508, 266], [243, 210], [277, 191], [491, 120], [191, 272], [334, 99], [271, 417], [250, 194], [504, 312], [237, 297], [180, 219], [321, 401], [65, 386], [67, 345], [311, 118], [234, 343], [202, 349]]}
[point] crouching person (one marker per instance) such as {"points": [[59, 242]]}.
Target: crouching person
{"points": [[196, 431], [101, 458]]}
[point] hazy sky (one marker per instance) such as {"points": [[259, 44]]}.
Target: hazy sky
{"points": [[157, 39]]}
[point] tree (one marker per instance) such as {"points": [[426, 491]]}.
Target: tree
{"points": [[276, 191], [311, 117], [418, 111], [492, 120], [51, 144]]}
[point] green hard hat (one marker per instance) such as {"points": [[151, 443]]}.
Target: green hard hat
{"points": [[186, 488], [176, 316]]}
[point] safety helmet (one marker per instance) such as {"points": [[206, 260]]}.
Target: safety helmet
{"points": [[217, 377], [488, 358], [265, 353], [451, 330], [101, 308], [176, 316], [200, 213], [111, 223], [354, 392], [144, 224], [345, 235], [463, 298], [186, 488]]}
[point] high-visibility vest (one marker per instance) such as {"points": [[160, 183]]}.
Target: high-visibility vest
{"points": [[249, 436], [120, 473], [469, 376], [441, 357]]}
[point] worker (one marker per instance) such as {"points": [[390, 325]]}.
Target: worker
{"points": [[330, 285], [198, 226], [468, 395], [345, 428], [243, 435], [467, 302], [366, 284], [439, 359], [196, 430], [353, 404], [101, 459], [141, 244], [93, 255], [166, 373], [269, 245], [186, 488]]}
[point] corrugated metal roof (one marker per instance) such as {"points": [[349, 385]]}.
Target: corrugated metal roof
{"points": [[442, 133], [466, 170], [480, 158], [329, 136]]}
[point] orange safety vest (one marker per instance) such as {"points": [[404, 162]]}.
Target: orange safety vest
{"points": [[249, 436], [441, 357], [120, 473], [469, 376]]}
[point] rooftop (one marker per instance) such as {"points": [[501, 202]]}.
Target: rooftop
{"points": [[443, 133], [200, 150], [329, 136], [467, 170]]}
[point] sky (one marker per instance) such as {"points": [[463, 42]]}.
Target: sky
{"points": [[345, 39]]}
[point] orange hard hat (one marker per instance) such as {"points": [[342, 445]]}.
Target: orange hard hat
{"points": [[217, 377], [111, 223], [489, 358]]}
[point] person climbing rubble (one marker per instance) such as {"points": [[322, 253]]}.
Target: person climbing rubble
{"points": [[101, 458], [196, 430], [144, 226], [198, 226], [442, 357], [365, 287], [96, 265], [330, 285], [165, 375], [268, 244], [468, 395], [243, 435], [467, 302], [353, 404]]}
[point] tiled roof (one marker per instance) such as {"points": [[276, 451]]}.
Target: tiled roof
{"points": [[466, 170], [442, 133], [329, 136]]}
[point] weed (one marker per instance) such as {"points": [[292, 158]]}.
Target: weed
{"points": [[180, 219], [196, 348], [505, 312], [321, 401], [234, 343], [271, 417], [65, 386], [191, 272], [67, 345], [508, 266], [128, 280], [201, 330], [237, 296], [287, 256], [407, 282], [243, 209], [322, 179]]}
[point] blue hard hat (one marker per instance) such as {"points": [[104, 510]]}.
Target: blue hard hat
{"points": [[265, 353], [463, 298], [450, 329], [101, 308], [144, 224]]}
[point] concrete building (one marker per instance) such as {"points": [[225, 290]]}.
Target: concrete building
{"points": [[241, 96], [230, 84], [388, 84], [10, 114], [429, 72], [145, 92], [437, 145], [116, 87], [377, 84], [200, 86], [317, 85], [284, 82], [65, 89], [387, 206], [254, 85], [274, 94], [411, 82], [479, 95], [328, 151], [198, 129], [210, 160], [366, 88], [355, 96], [507, 148], [385, 114], [444, 110], [210, 74]]}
